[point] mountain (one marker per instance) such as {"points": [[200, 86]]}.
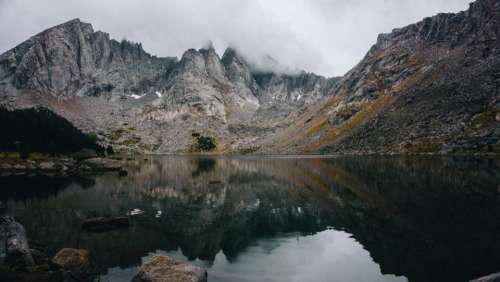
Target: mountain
{"points": [[430, 87], [135, 101]]}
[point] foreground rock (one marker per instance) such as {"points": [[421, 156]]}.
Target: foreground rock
{"points": [[19, 262], [14, 248], [49, 166], [75, 263], [490, 278], [163, 268], [102, 224]]}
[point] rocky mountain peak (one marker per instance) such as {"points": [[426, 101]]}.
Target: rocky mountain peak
{"points": [[238, 69], [480, 22]]}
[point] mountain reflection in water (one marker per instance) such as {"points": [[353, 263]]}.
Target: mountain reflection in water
{"points": [[280, 219]]}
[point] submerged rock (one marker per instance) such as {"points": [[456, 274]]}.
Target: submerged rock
{"points": [[48, 166], [102, 224], [100, 164], [490, 278], [14, 248], [76, 264], [163, 268]]}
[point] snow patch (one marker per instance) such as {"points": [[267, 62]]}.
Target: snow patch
{"points": [[159, 94], [136, 96]]}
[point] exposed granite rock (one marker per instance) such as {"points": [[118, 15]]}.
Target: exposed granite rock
{"points": [[75, 263], [99, 165], [133, 101], [428, 88], [72, 59], [489, 278], [14, 248], [163, 268]]}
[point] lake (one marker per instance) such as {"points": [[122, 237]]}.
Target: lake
{"points": [[278, 218]]}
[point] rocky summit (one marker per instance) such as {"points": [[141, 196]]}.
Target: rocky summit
{"points": [[134, 101], [431, 87]]}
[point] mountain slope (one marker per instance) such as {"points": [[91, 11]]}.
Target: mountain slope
{"points": [[431, 87], [135, 101]]}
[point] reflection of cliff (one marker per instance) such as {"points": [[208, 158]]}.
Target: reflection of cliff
{"points": [[430, 220], [445, 216]]}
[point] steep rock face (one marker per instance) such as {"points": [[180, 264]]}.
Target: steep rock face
{"points": [[135, 101], [276, 86], [431, 87], [293, 87], [239, 71], [72, 59]]}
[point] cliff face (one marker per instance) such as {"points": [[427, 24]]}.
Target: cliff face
{"points": [[136, 101], [72, 59], [431, 87]]}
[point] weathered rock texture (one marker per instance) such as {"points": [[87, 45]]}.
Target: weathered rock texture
{"points": [[431, 87], [134, 101], [75, 263], [14, 248], [163, 269], [489, 278]]}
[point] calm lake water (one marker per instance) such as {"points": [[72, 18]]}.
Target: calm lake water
{"points": [[279, 219]]}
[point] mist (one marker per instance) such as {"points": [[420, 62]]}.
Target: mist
{"points": [[327, 37]]}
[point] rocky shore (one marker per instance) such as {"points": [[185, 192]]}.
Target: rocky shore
{"points": [[26, 261], [60, 166]]}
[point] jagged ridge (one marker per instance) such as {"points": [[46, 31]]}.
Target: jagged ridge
{"points": [[431, 87]]}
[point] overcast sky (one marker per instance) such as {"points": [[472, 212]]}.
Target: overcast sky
{"points": [[324, 36]]}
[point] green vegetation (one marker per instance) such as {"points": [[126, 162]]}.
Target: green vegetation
{"points": [[484, 119], [249, 150], [92, 136], [426, 147], [204, 143], [10, 155]]}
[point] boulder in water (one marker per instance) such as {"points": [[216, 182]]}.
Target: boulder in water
{"points": [[14, 247], [163, 268], [75, 263], [102, 224]]}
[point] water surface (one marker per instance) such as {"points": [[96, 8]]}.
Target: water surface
{"points": [[279, 219]]}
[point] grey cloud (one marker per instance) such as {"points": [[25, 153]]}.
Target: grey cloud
{"points": [[324, 36]]}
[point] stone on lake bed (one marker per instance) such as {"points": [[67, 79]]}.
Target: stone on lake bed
{"points": [[163, 269], [101, 164], [102, 224], [48, 166], [75, 262]]}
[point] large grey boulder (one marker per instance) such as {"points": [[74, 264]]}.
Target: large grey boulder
{"points": [[166, 269], [100, 164], [14, 247], [75, 263], [490, 278]]}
